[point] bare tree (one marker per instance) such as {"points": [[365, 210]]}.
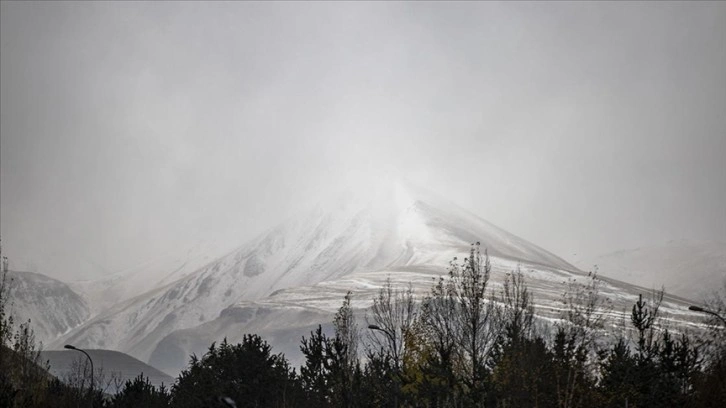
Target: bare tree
{"points": [[439, 314], [715, 339], [583, 318], [479, 315], [6, 319], [392, 316], [518, 310], [462, 320]]}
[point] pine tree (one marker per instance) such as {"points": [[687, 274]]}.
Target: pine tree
{"points": [[314, 373], [140, 393]]}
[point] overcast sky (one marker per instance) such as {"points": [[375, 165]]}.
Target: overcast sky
{"points": [[131, 129]]}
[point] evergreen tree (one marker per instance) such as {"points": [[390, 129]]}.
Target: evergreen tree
{"points": [[248, 373], [314, 374], [343, 354], [620, 380], [140, 393]]}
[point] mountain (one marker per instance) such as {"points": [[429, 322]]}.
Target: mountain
{"points": [[294, 276], [111, 368], [52, 306], [395, 226], [686, 268]]}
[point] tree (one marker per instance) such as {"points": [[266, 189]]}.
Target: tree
{"points": [[343, 353], [620, 380], [380, 382], [478, 322], [392, 316], [644, 318], [710, 387], [524, 374], [28, 373], [6, 319], [140, 393], [314, 374], [522, 364], [518, 310], [329, 375], [575, 344], [439, 317], [23, 377], [248, 373]]}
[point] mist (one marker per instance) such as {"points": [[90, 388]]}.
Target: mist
{"points": [[128, 130]]}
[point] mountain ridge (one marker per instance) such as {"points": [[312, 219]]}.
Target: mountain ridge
{"points": [[685, 267]]}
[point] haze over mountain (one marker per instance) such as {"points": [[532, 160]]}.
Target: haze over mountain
{"points": [[692, 269]]}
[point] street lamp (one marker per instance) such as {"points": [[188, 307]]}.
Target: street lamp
{"points": [[69, 347], [711, 312]]}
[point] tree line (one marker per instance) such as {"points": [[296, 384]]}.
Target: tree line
{"points": [[461, 345]]}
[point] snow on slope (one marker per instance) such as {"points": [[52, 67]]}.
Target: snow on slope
{"points": [[686, 268], [52, 306], [396, 226], [288, 314], [121, 286]]}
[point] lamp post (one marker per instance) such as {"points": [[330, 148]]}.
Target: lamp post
{"points": [[711, 312], [70, 347]]}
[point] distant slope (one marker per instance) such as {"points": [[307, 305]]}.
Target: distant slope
{"points": [[395, 226], [105, 292], [686, 268], [111, 363], [52, 306]]}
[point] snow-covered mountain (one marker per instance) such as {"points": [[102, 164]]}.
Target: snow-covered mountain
{"points": [[294, 276], [52, 306], [686, 268], [396, 226]]}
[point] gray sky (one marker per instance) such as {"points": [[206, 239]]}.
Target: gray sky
{"points": [[131, 129]]}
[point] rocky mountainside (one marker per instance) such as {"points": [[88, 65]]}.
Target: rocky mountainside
{"points": [[51, 305]]}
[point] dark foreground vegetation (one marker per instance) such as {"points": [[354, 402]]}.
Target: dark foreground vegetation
{"points": [[460, 346]]}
